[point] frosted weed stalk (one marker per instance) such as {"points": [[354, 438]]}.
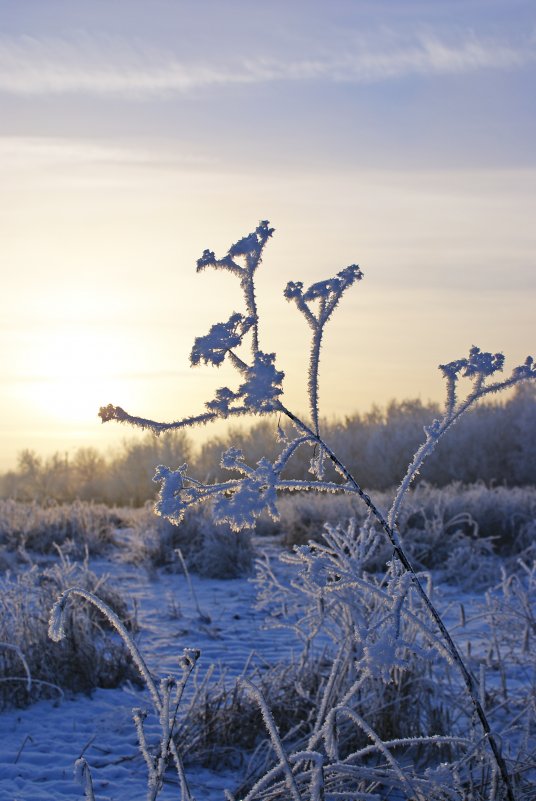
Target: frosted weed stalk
{"points": [[166, 699], [253, 489]]}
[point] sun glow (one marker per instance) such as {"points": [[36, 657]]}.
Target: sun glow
{"points": [[74, 370]]}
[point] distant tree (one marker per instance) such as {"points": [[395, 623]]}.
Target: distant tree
{"points": [[131, 471], [40, 479], [90, 474]]}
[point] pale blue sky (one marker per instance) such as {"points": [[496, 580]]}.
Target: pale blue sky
{"points": [[399, 135]]}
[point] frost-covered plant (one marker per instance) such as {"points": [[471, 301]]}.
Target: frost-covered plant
{"points": [[502, 630], [41, 528], [165, 696], [89, 657], [209, 550], [253, 489], [510, 609], [389, 667]]}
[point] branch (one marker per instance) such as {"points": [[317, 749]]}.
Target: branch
{"points": [[110, 412]]}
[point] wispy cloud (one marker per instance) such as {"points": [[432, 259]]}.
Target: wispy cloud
{"points": [[51, 378], [33, 152], [31, 66]]}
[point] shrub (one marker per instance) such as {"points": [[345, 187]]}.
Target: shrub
{"points": [[88, 475]]}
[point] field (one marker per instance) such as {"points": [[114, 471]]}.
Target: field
{"points": [[248, 604]]}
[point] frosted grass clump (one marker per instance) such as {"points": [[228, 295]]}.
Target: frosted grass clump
{"points": [[41, 528], [210, 550], [382, 643], [31, 667]]}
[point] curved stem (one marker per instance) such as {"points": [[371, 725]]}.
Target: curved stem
{"points": [[142, 667], [274, 736], [356, 718], [423, 452], [451, 416], [125, 636]]}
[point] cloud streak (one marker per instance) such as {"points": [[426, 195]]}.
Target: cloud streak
{"points": [[115, 67], [51, 378], [34, 152]]}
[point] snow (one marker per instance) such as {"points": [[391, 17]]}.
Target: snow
{"points": [[39, 745]]}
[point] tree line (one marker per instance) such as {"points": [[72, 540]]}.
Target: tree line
{"points": [[495, 444]]}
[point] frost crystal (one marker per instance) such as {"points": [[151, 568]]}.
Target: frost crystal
{"points": [[255, 494], [188, 659], [380, 657], [526, 370], [478, 363], [253, 243], [250, 247], [56, 625], [208, 259], [174, 496], [334, 286], [434, 429], [330, 290], [263, 385], [294, 289], [221, 405], [232, 459], [222, 337]]}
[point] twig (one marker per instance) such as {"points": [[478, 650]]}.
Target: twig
{"points": [[28, 738]]}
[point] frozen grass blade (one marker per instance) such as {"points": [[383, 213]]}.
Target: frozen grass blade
{"points": [[275, 738], [22, 658], [82, 774]]}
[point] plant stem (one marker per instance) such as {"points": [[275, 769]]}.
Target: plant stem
{"points": [[314, 361]]}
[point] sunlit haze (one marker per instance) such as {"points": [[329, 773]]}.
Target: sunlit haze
{"points": [[133, 135]]}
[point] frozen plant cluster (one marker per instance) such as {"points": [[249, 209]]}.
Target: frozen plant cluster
{"points": [[399, 624]]}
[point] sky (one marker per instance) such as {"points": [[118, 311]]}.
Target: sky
{"points": [[133, 135]]}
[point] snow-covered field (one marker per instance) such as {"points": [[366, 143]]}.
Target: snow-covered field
{"points": [[40, 744]]}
